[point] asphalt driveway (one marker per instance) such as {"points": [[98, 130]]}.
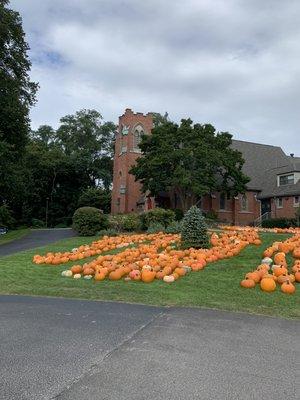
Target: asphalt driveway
{"points": [[35, 238], [73, 349]]}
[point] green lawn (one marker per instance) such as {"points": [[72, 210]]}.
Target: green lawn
{"points": [[12, 235], [217, 286]]}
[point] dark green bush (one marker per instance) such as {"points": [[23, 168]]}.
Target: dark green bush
{"points": [[87, 221], [174, 227], [179, 214], [155, 227], [279, 223], [37, 223], [157, 215], [194, 229], [6, 218]]}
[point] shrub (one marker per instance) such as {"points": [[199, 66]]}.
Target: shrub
{"points": [[107, 232], [131, 222], [279, 223], [125, 222], [6, 218], [194, 229], [174, 227], [87, 221], [155, 227], [37, 223], [179, 214], [212, 214], [157, 215]]}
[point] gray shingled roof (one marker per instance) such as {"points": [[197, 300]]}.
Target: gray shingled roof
{"points": [[262, 165]]}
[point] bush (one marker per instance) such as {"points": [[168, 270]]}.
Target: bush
{"points": [[155, 227], [131, 222], [174, 227], [279, 223], [108, 232], [87, 221], [179, 214], [157, 215], [125, 222], [6, 218], [194, 230], [37, 223], [212, 214]]}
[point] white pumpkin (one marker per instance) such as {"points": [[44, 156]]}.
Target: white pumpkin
{"points": [[68, 273], [88, 276], [77, 276], [267, 260], [169, 278]]}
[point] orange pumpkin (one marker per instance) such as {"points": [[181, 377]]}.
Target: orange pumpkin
{"points": [[148, 275], [255, 275], [76, 269], [99, 276], [267, 285], [297, 276], [248, 283], [288, 288]]}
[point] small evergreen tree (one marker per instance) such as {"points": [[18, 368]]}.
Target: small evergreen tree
{"points": [[194, 230]]}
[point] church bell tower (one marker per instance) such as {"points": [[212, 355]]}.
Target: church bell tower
{"points": [[127, 195]]}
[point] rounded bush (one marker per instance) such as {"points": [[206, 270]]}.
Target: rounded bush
{"points": [[87, 221], [157, 216]]}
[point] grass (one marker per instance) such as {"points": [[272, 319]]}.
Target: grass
{"points": [[217, 286], [13, 235]]}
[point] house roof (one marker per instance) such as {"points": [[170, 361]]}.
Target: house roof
{"points": [[262, 165]]}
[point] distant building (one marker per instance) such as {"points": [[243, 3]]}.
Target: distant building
{"points": [[273, 190]]}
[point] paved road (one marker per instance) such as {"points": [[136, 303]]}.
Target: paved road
{"points": [[72, 349], [36, 238]]}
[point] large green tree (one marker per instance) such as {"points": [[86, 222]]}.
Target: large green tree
{"points": [[189, 161], [17, 95]]}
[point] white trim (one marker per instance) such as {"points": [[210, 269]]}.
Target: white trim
{"points": [[277, 201]]}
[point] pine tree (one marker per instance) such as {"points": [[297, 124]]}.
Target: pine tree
{"points": [[194, 229]]}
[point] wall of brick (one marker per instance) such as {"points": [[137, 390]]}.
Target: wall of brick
{"points": [[125, 158], [288, 209]]}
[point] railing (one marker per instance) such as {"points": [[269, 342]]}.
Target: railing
{"points": [[258, 221]]}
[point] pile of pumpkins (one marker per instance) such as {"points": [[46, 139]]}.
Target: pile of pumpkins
{"points": [[161, 259], [273, 269], [291, 230], [105, 244]]}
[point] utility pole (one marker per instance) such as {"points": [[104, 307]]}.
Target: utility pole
{"points": [[47, 206]]}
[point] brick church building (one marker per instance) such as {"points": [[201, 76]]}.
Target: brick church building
{"points": [[273, 190]]}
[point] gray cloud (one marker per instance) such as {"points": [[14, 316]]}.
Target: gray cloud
{"points": [[232, 63]]}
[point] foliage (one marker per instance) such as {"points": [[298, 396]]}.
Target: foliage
{"points": [[179, 214], [87, 221], [107, 232], [279, 223], [189, 161], [157, 215], [37, 223], [174, 227], [125, 222], [6, 218], [212, 214], [17, 95], [131, 222], [95, 197], [155, 227], [194, 229]]}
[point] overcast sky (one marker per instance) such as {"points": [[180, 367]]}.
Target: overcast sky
{"points": [[232, 63]]}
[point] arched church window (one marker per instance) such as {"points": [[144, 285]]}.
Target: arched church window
{"points": [[137, 136], [244, 203]]}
